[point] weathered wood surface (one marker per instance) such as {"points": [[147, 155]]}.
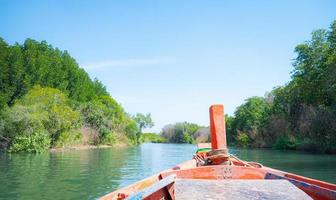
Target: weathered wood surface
{"points": [[153, 188], [237, 189]]}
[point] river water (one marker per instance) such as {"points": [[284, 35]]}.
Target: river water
{"points": [[91, 173]]}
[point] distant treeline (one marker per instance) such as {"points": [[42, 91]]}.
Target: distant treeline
{"points": [[300, 115], [47, 100], [185, 132], [151, 137]]}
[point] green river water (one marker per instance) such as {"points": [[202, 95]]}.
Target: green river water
{"points": [[89, 174]]}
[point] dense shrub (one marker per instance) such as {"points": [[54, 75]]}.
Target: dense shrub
{"points": [[69, 138], [132, 130], [243, 139], [36, 143], [109, 139], [106, 116], [42, 112], [285, 143]]}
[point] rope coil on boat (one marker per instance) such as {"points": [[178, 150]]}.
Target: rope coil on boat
{"points": [[248, 164], [202, 159]]}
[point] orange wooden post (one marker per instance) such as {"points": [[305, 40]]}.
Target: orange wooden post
{"points": [[217, 127]]}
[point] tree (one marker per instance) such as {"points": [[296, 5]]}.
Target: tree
{"points": [[143, 121], [251, 114]]}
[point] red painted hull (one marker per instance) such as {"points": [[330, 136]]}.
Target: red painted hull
{"points": [[188, 170]]}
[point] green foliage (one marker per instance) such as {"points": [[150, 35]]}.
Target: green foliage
{"points": [[69, 138], [251, 113], [142, 121], [243, 139], [285, 143], [249, 118], [35, 143], [102, 112], [230, 131], [93, 114], [48, 111], [106, 116], [151, 137], [60, 116], [23, 120], [13, 78], [109, 139], [132, 130], [187, 138], [41, 110]]}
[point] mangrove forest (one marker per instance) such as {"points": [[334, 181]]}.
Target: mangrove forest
{"points": [[48, 101]]}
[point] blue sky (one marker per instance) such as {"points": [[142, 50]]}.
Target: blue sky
{"points": [[174, 58]]}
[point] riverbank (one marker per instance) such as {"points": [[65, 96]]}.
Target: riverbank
{"points": [[85, 147]]}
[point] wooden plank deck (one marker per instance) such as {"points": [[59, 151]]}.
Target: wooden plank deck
{"points": [[237, 189]]}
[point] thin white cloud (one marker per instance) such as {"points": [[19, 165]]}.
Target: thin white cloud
{"points": [[127, 63]]}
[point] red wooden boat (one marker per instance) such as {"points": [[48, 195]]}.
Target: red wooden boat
{"points": [[213, 173]]}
